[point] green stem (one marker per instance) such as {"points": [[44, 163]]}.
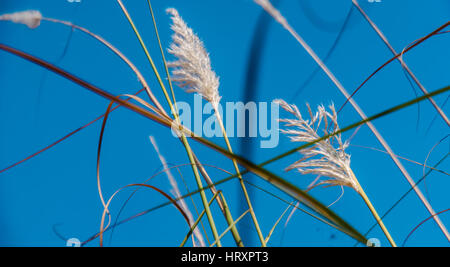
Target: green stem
{"points": [[372, 209], [198, 221], [183, 137], [241, 181], [202, 191], [231, 226], [222, 203], [230, 221], [278, 221], [332, 219]]}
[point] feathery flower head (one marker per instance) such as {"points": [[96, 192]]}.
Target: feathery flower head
{"points": [[326, 158], [31, 18], [192, 69]]}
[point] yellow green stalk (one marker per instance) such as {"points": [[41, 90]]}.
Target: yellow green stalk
{"points": [[241, 181]]}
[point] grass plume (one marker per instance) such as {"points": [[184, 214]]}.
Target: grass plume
{"points": [[30, 18], [193, 71], [326, 158]]}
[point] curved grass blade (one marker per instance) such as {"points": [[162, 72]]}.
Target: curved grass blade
{"points": [[277, 222], [221, 202], [183, 139], [118, 53], [420, 224], [406, 50], [273, 179], [265, 4], [407, 159], [402, 62], [407, 192], [174, 202], [330, 52], [265, 174]]}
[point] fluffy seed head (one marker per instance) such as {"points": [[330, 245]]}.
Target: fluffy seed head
{"points": [[326, 158], [31, 18], [192, 69]]}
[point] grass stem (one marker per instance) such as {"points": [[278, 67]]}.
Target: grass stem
{"points": [[372, 209], [183, 137], [349, 98], [191, 230], [241, 181], [221, 200]]}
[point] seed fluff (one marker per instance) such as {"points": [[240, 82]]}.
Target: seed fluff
{"points": [[326, 158], [31, 18], [192, 69]]}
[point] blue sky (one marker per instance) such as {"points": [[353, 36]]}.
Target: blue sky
{"points": [[54, 196]]}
